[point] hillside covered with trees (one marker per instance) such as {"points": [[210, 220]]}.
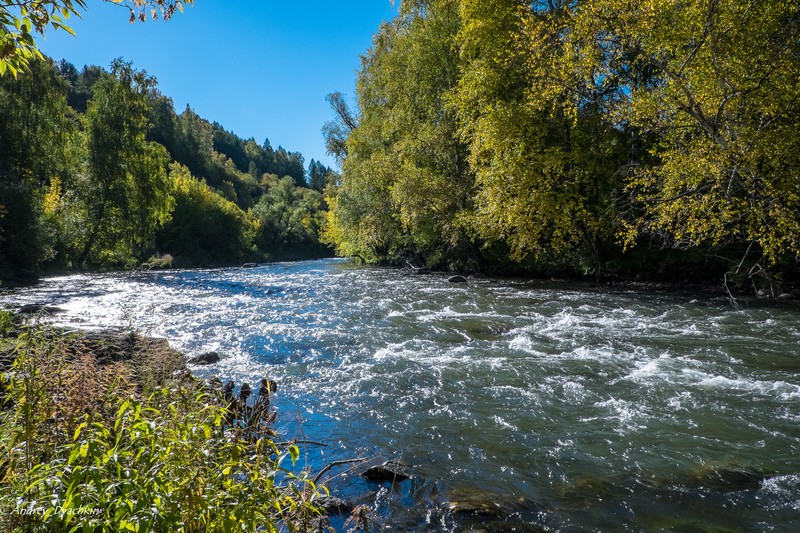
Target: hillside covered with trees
{"points": [[97, 169], [600, 137]]}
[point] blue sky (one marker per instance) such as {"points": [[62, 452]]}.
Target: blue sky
{"points": [[261, 68]]}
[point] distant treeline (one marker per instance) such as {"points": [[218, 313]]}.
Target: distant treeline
{"points": [[98, 170], [624, 138]]}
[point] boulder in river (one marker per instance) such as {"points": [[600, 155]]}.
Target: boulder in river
{"points": [[457, 279], [486, 330], [39, 309], [208, 358], [416, 271], [391, 471], [332, 504], [716, 478], [250, 265], [477, 502], [725, 479]]}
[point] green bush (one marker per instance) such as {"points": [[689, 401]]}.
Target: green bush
{"points": [[163, 461]]}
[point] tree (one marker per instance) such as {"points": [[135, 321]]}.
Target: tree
{"points": [[545, 154], [205, 228], [406, 186], [80, 83], [716, 84], [195, 145], [21, 20], [318, 175], [288, 219], [128, 192], [35, 156], [337, 130]]}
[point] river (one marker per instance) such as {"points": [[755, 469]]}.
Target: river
{"points": [[562, 406]]}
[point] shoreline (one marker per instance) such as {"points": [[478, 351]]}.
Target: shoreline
{"points": [[67, 387], [788, 292]]}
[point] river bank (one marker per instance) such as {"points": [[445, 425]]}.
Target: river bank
{"points": [[108, 429], [741, 291], [78, 377]]}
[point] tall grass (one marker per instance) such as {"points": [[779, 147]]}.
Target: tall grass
{"points": [[93, 443]]}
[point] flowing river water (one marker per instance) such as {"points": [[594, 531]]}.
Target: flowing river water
{"points": [[559, 407]]}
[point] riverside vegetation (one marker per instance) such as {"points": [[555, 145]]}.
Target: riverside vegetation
{"points": [[107, 432], [602, 138], [607, 138], [97, 170]]}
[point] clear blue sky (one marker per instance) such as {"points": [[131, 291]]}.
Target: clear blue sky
{"points": [[261, 68]]}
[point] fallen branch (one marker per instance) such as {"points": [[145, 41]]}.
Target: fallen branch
{"points": [[295, 441], [338, 463]]}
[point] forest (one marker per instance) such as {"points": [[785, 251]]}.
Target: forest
{"points": [[609, 139], [601, 138], [98, 170]]}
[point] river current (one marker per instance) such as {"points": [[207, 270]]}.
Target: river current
{"points": [[555, 406]]}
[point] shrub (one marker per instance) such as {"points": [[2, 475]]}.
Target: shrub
{"points": [[114, 458]]}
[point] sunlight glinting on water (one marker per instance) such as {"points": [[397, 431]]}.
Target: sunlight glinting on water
{"points": [[580, 406]]}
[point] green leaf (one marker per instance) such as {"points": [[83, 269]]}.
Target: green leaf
{"points": [[78, 431], [121, 411]]}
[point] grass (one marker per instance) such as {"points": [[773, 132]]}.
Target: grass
{"points": [[110, 433]]}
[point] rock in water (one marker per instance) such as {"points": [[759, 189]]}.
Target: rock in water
{"points": [[477, 502], [727, 479], [332, 504], [208, 358], [391, 471], [34, 309], [457, 279]]}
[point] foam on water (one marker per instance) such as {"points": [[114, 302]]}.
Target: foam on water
{"points": [[565, 398]]}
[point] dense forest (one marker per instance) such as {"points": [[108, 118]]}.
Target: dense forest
{"points": [[602, 138], [98, 170], [606, 138]]}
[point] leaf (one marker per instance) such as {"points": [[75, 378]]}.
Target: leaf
{"points": [[121, 411]]}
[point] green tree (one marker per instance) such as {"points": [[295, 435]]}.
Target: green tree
{"points": [[288, 219], [195, 145], [128, 192], [318, 175], [546, 156], [337, 131], [406, 185], [726, 109], [205, 228], [36, 154]]}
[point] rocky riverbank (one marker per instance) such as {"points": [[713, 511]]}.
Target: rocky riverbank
{"points": [[108, 430]]}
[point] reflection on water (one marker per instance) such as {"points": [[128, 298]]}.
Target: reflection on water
{"points": [[563, 407]]}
